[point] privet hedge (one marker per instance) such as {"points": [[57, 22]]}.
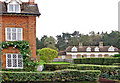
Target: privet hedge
{"points": [[98, 61], [102, 68], [61, 75], [53, 67]]}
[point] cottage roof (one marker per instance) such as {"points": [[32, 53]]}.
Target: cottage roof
{"points": [[83, 48], [26, 9]]}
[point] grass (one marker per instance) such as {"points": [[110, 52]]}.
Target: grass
{"points": [[59, 63]]}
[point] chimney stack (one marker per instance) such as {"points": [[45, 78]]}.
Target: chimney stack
{"points": [[101, 44], [31, 2], [80, 45]]}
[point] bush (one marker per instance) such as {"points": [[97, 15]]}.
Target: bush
{"points": [[116, 55], [53, 67], [98, 61], [77, 75], [47, 54], [61, 75], [114, 75], [102, 68], [118, 64]]}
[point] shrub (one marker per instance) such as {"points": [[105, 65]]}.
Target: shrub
{"points": [[116, 55], [118, 64], [47, 54], [53, 67], [102, 68], [77, 75], [98, 61], [114, 75], [61, 75]]}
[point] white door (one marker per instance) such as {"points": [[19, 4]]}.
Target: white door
{"points": [[96, 56], [74, 56], [88, 56], [63, 57]]}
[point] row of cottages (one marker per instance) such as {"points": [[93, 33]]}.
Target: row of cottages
{"points": [[80, 51], [17, 23]]}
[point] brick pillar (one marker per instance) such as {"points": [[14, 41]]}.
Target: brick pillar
{"points": [[32, 34]]}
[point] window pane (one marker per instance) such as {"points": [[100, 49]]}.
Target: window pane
{"points": [[11, 7], [13, 36], [14, 62], [8, 36], [19, 56], [9, 30], [9, 63], [20, 61], [9, 56], [19, 30], [13, 30], [16, 8]]}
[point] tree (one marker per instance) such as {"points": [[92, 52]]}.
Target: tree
{"points": [[50, 43], [47, 54]]}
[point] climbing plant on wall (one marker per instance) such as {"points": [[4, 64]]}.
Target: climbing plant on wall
{"points": [[24, 48]]}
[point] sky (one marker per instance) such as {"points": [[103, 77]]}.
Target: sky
{"points": [[58, 16]]}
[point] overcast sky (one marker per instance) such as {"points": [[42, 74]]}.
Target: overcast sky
{"points": [[59, 16]]}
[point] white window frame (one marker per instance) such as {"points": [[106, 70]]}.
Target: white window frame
{"points": [[74, 56], [63, 56], [96, 49], [6, 36], [14, 10], [88, 49], [74, 49], [12, 62]]}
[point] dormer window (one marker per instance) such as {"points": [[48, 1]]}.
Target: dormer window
{"points": [[111, 48], [88, 49], [74, 49], [96, 49], [14, 6]]}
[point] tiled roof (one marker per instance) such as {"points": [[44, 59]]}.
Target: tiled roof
{"points": [[26, 9], [83, 48]]}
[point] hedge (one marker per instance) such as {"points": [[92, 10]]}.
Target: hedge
{"points": [[61, 75], [98, 61], [102, 68], [114, 75], [118, 64], [53, 67], [77, 75]]}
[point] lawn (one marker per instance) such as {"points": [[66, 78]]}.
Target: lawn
{"points": [[59, 63]]}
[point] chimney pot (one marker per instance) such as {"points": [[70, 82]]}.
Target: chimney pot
{"points": [[31, 2], [101, 44]]}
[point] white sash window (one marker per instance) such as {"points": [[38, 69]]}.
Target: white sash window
{"points": [[14, 61], [14, 8], [14, 34]]}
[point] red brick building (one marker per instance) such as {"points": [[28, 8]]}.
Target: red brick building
{"points": [[17, 23]]}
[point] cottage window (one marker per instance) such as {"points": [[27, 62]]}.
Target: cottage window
{"points": [[14, 34], [96, 49], [14, 8], [74, 49], [88, 49], [111, 48], [14, 61]]}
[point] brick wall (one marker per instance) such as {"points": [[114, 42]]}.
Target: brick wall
{"points": [[28, 23]]}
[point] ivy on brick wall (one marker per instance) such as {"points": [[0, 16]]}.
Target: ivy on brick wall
{"points": [[24, 48]]}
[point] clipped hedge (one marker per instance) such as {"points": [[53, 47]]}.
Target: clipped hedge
{"points": [[114, 75], [61, 75], [53, 67], [102, 68], [118, 64], [77, 75], [98, 61]]}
